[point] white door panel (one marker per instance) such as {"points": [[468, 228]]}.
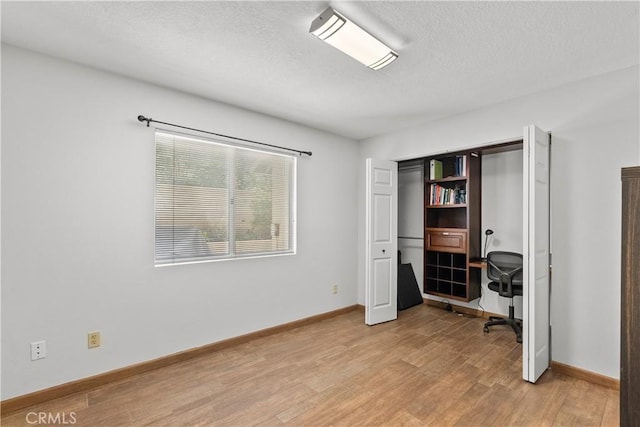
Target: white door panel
{"points": [[381, 269], [536, 274], [382, 276], [382, 205]]}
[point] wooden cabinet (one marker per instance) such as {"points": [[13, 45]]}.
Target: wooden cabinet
{"points": [[446, 240], [630, 310], [452, 225]]}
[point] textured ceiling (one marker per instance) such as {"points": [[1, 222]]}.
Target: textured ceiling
{"points": [[454, 56]]}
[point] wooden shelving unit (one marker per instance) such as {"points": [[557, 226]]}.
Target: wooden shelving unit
{"points": [[452, 225], [630, 307]]}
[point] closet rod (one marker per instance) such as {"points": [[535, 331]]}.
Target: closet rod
{"points": [[142, 118]]}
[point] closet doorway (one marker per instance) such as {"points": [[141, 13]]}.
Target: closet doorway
{"points": [[515, 206]]}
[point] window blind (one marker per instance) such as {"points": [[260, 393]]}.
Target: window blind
{"points": [[215, 200]]}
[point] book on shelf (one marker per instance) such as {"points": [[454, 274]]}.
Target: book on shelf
{"points": [[435, 169]]}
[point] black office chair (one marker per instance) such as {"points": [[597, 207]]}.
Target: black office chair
{"points": [[504, 269]]}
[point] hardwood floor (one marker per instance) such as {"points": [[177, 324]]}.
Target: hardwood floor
{"points": [[430, 367]]}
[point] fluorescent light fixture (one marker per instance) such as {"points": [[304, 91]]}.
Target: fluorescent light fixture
{"points": [[335, 29]]}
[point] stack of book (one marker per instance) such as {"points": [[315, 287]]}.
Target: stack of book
{"points": [[453, 167], [447, 196], [461, 165]]}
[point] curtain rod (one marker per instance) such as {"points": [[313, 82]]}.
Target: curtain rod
{"points": [[142, 118]]}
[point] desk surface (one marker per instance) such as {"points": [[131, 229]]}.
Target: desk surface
{"points": [[477, 263]]}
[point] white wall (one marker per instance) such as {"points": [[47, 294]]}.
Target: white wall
{"points": [[78, 228], [502, 213], [410, 220], [595, 128]]}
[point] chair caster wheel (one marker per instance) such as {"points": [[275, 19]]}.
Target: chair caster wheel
{"points": [[519, 340], [486, 329]]}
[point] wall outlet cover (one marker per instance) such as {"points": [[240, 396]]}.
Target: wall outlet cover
{"points": [[93, 339], [38, 350]]}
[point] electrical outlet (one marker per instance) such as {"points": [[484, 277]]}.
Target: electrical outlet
{"points": [[334, 289], [38, 350], [93, 339]]}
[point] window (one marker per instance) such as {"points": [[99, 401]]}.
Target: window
{"points": [[215, 200]]}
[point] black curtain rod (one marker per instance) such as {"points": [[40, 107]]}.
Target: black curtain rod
{"points": [[142, 118]]}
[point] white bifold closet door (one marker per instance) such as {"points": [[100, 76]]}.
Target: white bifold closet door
{"points": [[381, 266], [536, 252]]}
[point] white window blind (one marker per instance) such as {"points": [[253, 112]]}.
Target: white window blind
{"points": [[215, 200]]}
